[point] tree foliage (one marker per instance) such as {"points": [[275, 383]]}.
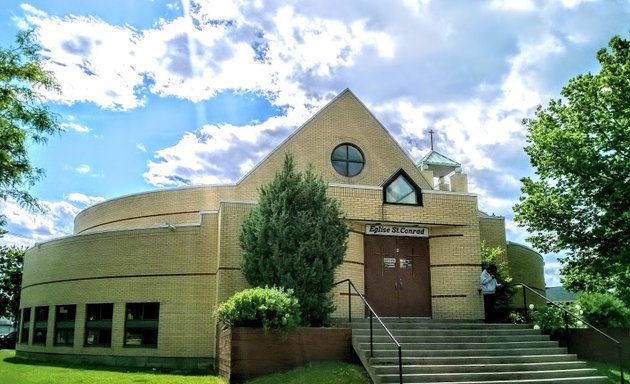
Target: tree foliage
{"points": [[23, 118], [579, 202], [295, 238], [11, 260]]}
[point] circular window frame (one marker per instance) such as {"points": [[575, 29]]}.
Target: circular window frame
{"points": [[347, 161]]}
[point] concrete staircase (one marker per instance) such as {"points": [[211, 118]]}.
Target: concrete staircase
{"points": [[459, 352]]}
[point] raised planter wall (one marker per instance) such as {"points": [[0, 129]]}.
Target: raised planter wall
{"points": [[590, 345], [245, 353]]}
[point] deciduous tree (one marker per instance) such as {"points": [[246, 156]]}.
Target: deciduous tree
{"points": [[24, 118], [579, 201], [11, 260]]}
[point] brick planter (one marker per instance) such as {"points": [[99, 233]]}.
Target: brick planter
{"points": [[590, 345], [244, 353]]}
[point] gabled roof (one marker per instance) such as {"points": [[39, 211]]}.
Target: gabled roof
{"points": [[438, 163], [345, 119]]}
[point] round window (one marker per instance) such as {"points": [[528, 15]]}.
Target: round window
{"points": [[347, 160]]}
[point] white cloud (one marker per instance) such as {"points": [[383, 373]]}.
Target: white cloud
{"points": [[25, 227], [514, 5], [83, 169], [84, 200], [75, 127], [141, 147], [32, 10], [91, 60], [469, 72]]}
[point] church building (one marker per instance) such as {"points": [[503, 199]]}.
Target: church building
{"points": [[137, 282]]}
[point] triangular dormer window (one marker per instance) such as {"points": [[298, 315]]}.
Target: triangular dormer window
{"points": [[400, 189]]}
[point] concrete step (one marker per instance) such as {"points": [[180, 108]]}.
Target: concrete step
{"points": [[382, 369], [461, 352], [448, 332], [488, 376], [446, 360], [411, 338], [437, 325], [558, 380], [387, 344]]}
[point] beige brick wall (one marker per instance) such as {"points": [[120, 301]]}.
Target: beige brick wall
{"points": [[492, 231], [528, 267], [124, 251], [148, 209], [344, 120], [174, 268]]}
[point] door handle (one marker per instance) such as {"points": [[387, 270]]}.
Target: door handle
{"points": [[401, 284], [395, 285]]}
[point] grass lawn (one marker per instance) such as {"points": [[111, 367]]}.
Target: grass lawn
{"points": [[324, 373], [18, 371], [611, 370]]}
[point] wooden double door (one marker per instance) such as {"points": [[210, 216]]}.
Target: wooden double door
{"points": [[397, 276]]}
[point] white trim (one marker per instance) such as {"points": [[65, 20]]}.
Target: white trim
{"points": [[355, 186], [438, 192], [249, 202]]}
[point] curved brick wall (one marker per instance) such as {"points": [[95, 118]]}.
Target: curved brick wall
{"points": [[151, 209], [174, 268], [526, 266]]}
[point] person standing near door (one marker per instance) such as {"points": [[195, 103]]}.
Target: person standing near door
{"points": [[488, 289]]}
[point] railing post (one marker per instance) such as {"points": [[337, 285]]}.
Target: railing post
{"points": [[525, 304], [371, 337], [620, 351], [400, 375], [349, 301], [566, 329]]}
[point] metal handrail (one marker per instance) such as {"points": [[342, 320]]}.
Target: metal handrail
{"points": [[372, 314], [568, 313]]}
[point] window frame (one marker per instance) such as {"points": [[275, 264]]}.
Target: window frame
{"points": [[41, 325], [346, 160], [65, 326], [25, 325], [98, 324], [401, 173], [143, 326]]}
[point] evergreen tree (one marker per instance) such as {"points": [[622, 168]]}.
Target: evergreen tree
{"points": [[295, 238]]}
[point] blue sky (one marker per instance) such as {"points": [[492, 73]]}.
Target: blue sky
{"points": [[161, 94]]}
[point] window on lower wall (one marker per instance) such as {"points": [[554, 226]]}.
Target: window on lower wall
{"points": [[26, 325], [41, 325], [98, 325], [64, 324], [141, 324]]}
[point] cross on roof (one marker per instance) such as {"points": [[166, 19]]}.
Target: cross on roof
{"points": [[431, 132]]}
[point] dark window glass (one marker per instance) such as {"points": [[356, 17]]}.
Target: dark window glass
{"points": [[64, 324], [98, 325], [347, 160], [26, 325], [141, 324], [41, 325]]}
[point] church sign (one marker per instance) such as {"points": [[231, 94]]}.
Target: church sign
{"points": [[395, 230]]}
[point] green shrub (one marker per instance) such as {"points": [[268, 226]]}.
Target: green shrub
{"points": [[549, 317], [604, 310], [260, 307]]}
